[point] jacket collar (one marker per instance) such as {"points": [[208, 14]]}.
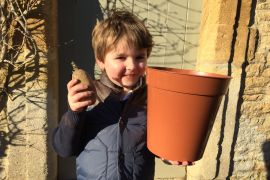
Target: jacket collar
{"points": [[104, 79], [105, 87]]}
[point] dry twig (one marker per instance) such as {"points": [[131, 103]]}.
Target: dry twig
{"points": [[15, 36]]}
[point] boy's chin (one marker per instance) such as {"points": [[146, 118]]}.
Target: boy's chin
{"points": [[130, 84], [129, 87]]}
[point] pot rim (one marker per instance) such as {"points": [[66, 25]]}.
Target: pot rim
{"points": [[188, 72]]}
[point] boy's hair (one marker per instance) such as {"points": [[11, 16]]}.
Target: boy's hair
{"points": [[120, 24]]}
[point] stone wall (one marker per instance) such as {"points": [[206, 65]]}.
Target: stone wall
{"points": [[252, 149], [28, 108], [235, 41]]}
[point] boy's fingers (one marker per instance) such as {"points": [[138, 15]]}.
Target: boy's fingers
{"points": [[185, 163], [175, 162], [86, 95], [77, 88], [80, 105], [71, 83]]}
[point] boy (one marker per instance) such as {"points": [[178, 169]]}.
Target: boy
{"points": [[109, 140]]}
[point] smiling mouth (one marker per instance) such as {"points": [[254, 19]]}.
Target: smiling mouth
{"points": [[131, 75]]}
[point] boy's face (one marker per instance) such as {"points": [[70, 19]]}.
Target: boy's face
{"points": [[124, 65]]}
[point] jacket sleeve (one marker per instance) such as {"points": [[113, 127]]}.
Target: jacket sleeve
{"points": [[68, 135]]}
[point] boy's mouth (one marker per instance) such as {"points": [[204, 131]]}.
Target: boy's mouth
{"points": [[130, 75]]}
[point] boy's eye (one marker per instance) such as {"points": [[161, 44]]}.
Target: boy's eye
{"points": [[120, 57], [140, 58]]}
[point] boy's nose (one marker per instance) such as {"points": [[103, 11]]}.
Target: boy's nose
{"points": [[131, 64]]}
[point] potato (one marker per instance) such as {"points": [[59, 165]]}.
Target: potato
{"points": [[84, 78]]}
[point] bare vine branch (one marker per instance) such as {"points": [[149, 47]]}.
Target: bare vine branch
{"points": [[15, 36]]}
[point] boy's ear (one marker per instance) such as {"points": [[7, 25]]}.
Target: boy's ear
{"points": [[100, 64]]}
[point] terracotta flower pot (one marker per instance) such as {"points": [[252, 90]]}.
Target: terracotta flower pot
{"points": [[181, 109]]}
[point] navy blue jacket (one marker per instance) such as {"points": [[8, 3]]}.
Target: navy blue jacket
{"points": [[109, 139]]}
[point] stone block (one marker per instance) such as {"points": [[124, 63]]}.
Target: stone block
{"points": [[224, 43], [263, 6], [255, 110], [255, 97], [244, 18], [208, 38], [215, 44], [252, 43], [210, 12], [264, 40], [264, 27], [255, 90], [227, 16], [266, 73], [263, 16], [252, 82], [261, 57], [240, 47], [227, 12], [254, 70]]}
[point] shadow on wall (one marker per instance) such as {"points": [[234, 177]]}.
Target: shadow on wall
{"points": [[266, 155], [21, 73], [174, 25], [76, 20], [241, 92]]}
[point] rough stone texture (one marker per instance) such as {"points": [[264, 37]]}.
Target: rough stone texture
{"points": [[238, 147], [216, 32], [25, 152], [3, 128], [252, 148], [27, 118]]}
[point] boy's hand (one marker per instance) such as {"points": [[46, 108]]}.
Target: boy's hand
{"points": [[184, 163], [79, 97]]}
